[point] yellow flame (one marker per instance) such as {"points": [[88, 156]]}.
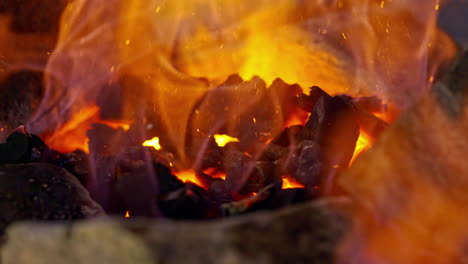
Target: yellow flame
{"points": [[154, 142], [127, 214], [363, 143], [222, 140]]}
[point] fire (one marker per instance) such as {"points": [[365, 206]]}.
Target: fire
{"points": [[72, 135], [190, 176], [290, 183], [127, 214], [222, 140], [363, 143], [154, 143]]}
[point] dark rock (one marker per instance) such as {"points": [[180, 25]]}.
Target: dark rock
{"points": [[40, 191]]}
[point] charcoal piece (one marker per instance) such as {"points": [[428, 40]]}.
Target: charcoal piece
{"points": [[236, 165], [307, 102], [167, 182], [190, 202], [279, 198], [219, 193], [264, 173], [289, 136], [305, 164], [247, 110], [212, 157], [243, 205], [16, 149], [137, 185], [76, 163], [334, 125], [39, 191], [274, 152]]}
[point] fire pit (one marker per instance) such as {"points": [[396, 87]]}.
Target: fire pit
{"points": [[232, 132]]}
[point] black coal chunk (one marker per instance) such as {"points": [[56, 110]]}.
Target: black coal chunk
{"points": [[190, 202], [39, 191], [334, 126], [305, 163], [23, 147]]}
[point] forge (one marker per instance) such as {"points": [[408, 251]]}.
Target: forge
{"points": [[233, 131]]}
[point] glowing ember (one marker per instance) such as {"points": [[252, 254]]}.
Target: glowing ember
{"points": [[154, 142], [290, 183], [190, 176], [115, 124], [215, 173], [222, 140], [127, 214], [364, 143]]}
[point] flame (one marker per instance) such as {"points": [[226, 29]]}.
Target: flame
{"points": [[190, 176], [176, 51], [222, 140], [363, 143], [127, 214], [154, 143], [291, 183], [72, 135]]}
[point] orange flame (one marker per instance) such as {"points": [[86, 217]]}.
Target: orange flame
{"points": [[127, 214], [72, 135], [222, 140], [154, 143], [291, 183]]}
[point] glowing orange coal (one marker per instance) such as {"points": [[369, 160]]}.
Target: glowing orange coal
{"points": [[290, 183], [190, 176], [215, 173], [153, 143]]}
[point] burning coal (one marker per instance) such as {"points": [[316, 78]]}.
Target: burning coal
{"points": [[210, 108]]}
